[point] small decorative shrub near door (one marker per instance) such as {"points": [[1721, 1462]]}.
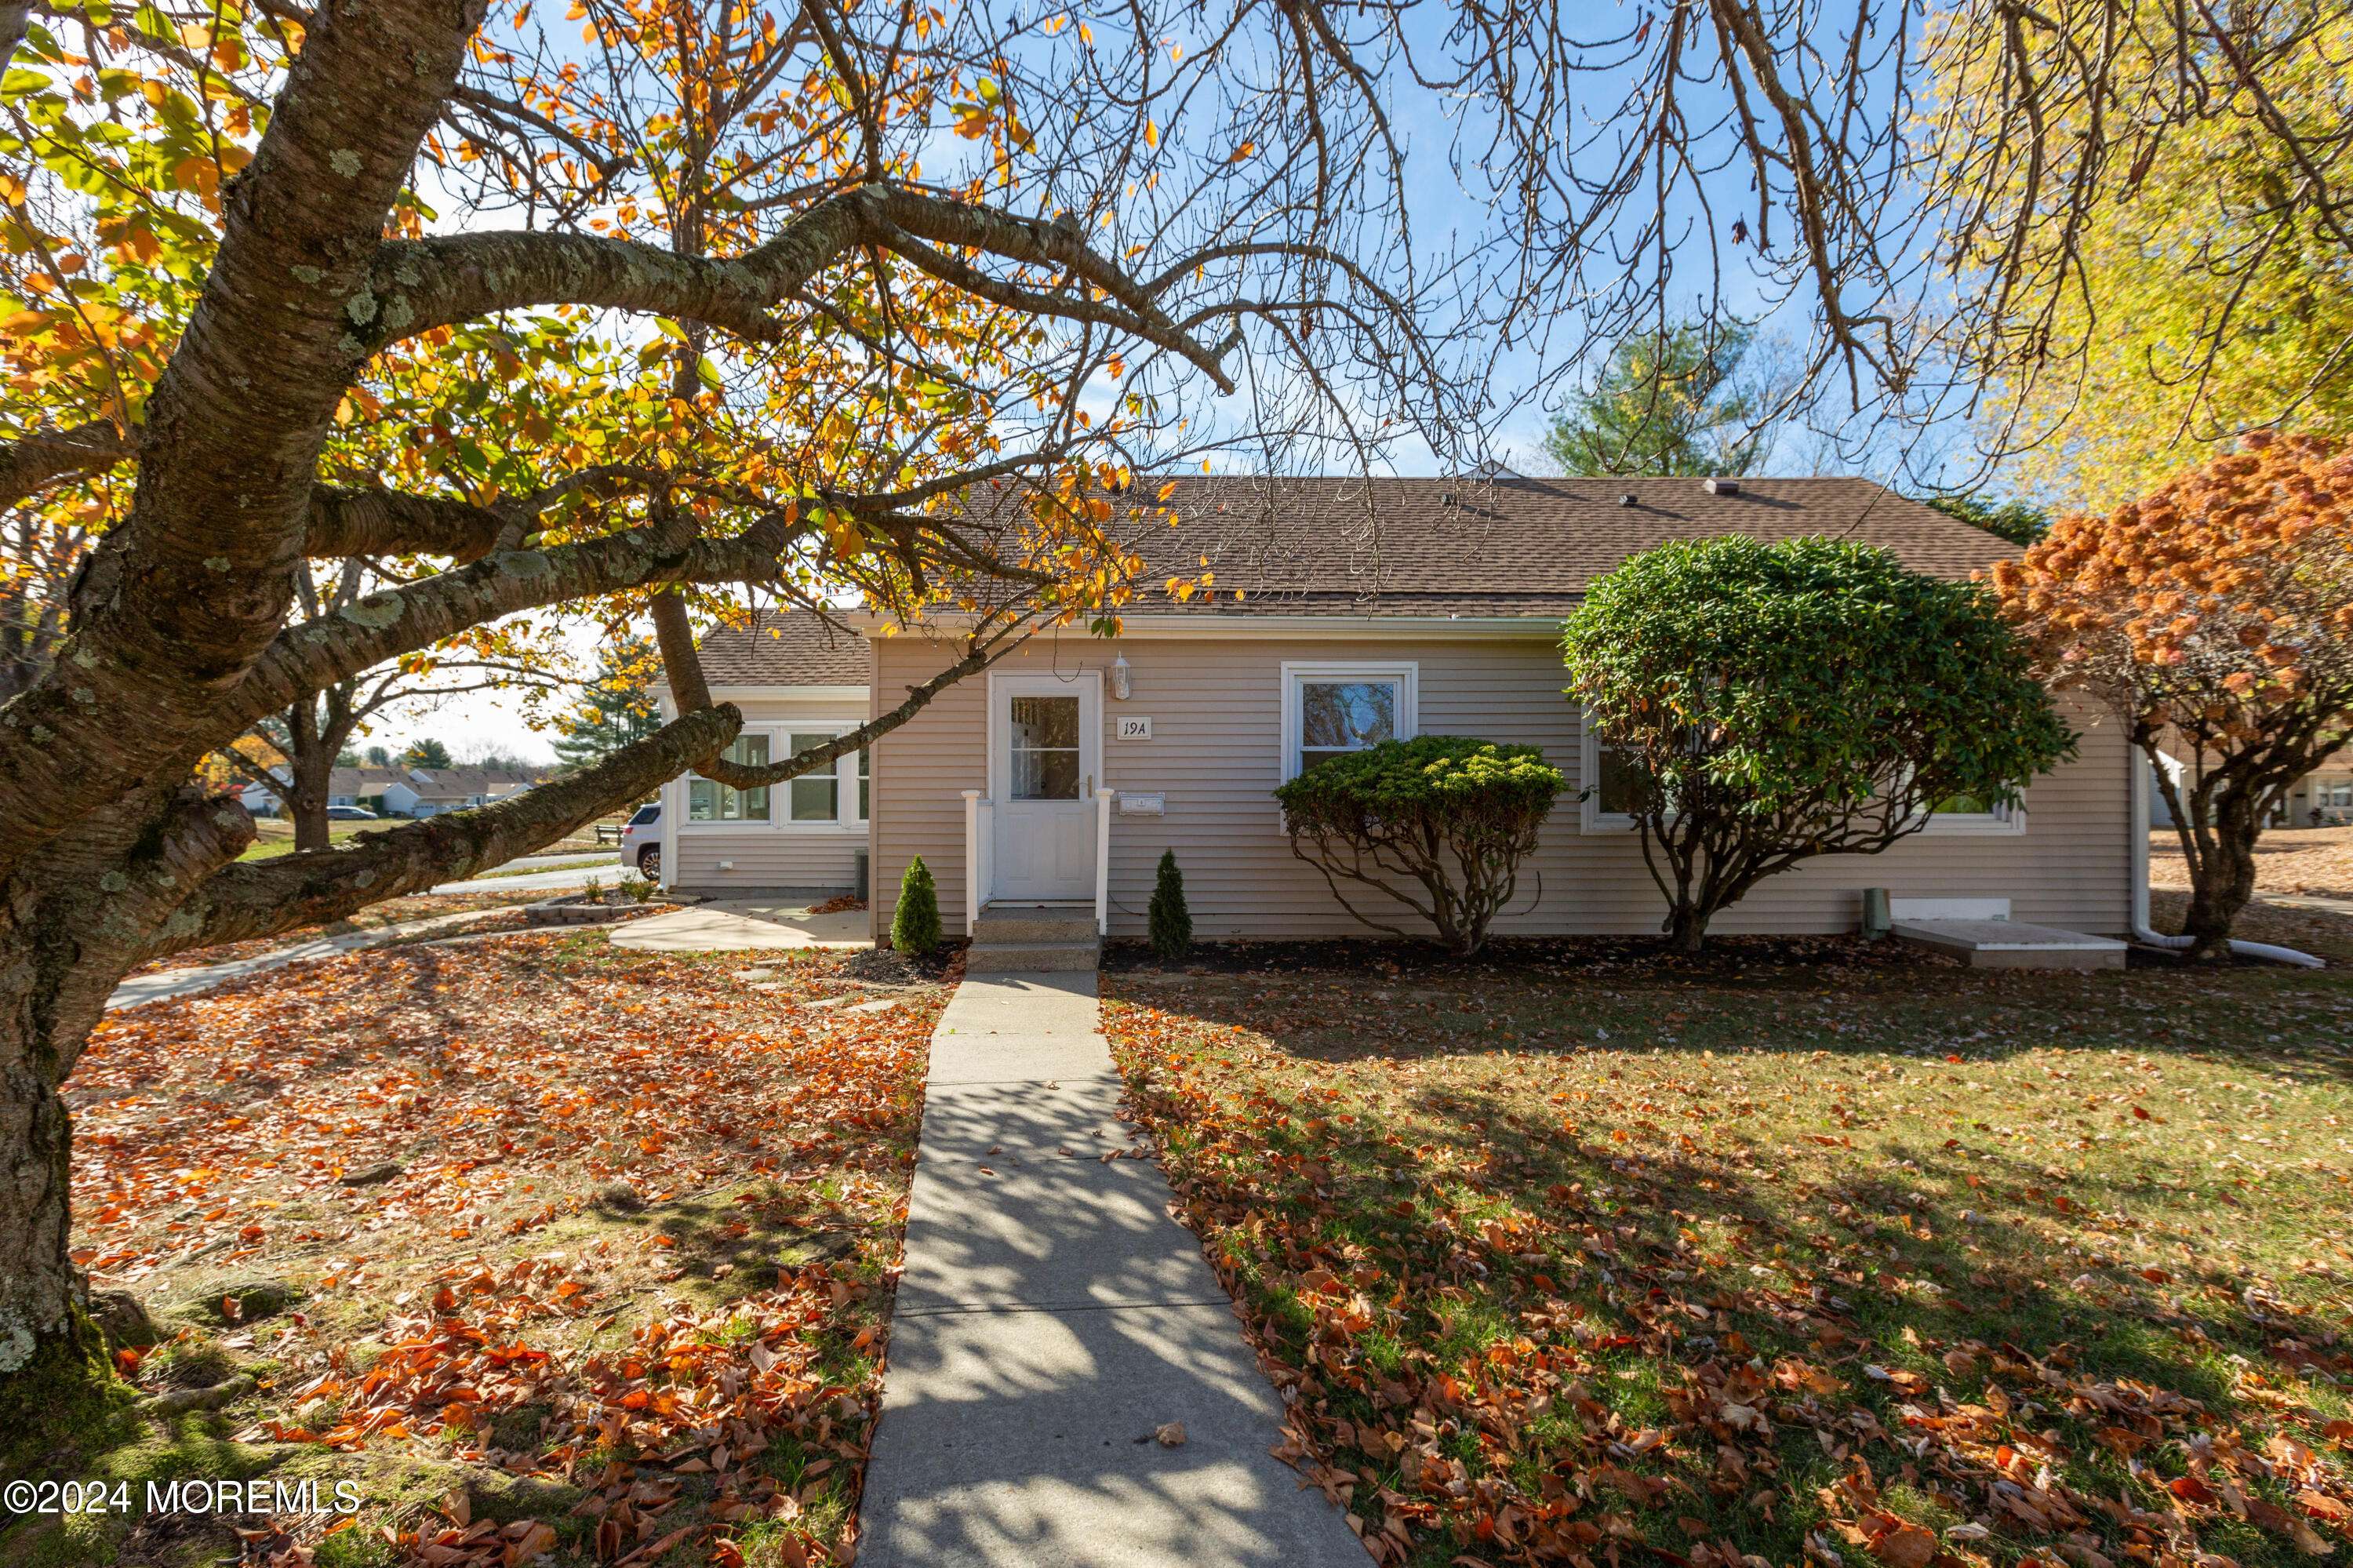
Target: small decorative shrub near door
{"points": [[1171, 923], [1440, 823], [915, 924]]}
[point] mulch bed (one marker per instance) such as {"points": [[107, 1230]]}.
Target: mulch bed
{"points": [[1391, 958]]}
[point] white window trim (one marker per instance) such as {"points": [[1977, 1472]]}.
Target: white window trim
{"points": [[2007, 822], [1591, 818], [1406, 673], [845, 781], [687, 780]]}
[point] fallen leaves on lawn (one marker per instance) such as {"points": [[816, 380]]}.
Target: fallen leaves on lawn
{"points": [[495, 1090], [1623, 1392]]}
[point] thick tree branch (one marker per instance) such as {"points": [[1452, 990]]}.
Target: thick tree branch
{"points": [[262, 898], [418, 284], [393, 523], [34, 460]]}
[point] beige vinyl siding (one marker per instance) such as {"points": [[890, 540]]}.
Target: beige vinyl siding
{"points": [[1216, 717], [778, 853]]}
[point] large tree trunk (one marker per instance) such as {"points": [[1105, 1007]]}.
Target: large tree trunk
{"points": [[311, 764], [71, 925], [2222, 879], [159, 875]]}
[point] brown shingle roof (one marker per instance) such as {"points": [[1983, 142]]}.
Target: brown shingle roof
{"points": [[1503, 547], [1506, 546], [786, 648]]}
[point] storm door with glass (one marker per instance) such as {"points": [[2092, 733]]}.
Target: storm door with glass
{"points": [[1045, 735]]}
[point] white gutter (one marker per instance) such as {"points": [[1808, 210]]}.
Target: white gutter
{"points": [[2138, 761], [1208, 624]]}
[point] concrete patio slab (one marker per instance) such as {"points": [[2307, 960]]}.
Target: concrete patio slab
{"points": [[1049, 1315], [730, 925], [2011, 945]]}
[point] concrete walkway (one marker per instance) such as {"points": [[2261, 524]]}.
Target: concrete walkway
{"points": [[165, 983], [2299, 901], [1050, 1317], [607, 873], [738, 925]]}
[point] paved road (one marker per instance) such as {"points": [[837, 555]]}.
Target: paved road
{"points": [[1051, 1316]]}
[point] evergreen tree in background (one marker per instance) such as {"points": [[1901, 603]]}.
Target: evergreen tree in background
{"points": [[2013, 519], [915, 924], [1171, 923], [428, 753], [615, 709], [379, 757], [1667, 402]]}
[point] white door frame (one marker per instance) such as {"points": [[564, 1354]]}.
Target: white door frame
{"points": [[1087, 686]]}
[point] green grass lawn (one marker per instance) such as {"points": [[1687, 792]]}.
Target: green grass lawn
{"points": [[1856, 1258], [275, 835]]}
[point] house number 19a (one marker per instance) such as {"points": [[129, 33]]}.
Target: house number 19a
{"points": [[1135, 728]]}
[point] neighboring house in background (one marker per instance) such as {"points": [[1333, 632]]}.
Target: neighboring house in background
{"points": [[1405, 606], [346, 787], [799, 683], [2322, 798], [430, 792]]}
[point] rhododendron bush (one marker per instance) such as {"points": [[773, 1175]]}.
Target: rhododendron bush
{"points": [[2214, 617]]}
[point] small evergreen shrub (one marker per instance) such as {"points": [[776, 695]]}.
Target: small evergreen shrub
{"points": [[1171, 923], [915, 924]]}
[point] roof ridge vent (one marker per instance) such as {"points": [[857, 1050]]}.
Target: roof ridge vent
{"points": [[1722, 487], [1627, 500]]}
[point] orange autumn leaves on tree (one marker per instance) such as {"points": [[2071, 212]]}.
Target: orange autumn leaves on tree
{"points": [[2214, 616]]}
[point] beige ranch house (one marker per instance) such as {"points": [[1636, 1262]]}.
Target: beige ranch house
{"points": [[1368, 611]]}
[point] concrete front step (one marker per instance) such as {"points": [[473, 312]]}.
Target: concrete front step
{"points": [[997, 958], [1034, 923]]}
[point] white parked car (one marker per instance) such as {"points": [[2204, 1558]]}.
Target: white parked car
{"points": [[641, 841]]}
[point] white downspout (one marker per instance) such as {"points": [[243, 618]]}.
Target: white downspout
{"points": [[2139, 847]]}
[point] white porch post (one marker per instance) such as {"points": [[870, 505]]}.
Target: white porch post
{"points": [[972, 870], [673, 801], [1102, 862]]}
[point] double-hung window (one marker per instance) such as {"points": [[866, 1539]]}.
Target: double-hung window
{"points": [[1330, 709], [1609, 785], [708, 800], [817, 794], [1967, 814]]}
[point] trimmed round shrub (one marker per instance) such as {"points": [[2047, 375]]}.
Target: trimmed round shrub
{"points": [[1439, 823]]}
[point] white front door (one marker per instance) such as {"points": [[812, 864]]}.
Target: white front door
{"points": [[1045, 738]]}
